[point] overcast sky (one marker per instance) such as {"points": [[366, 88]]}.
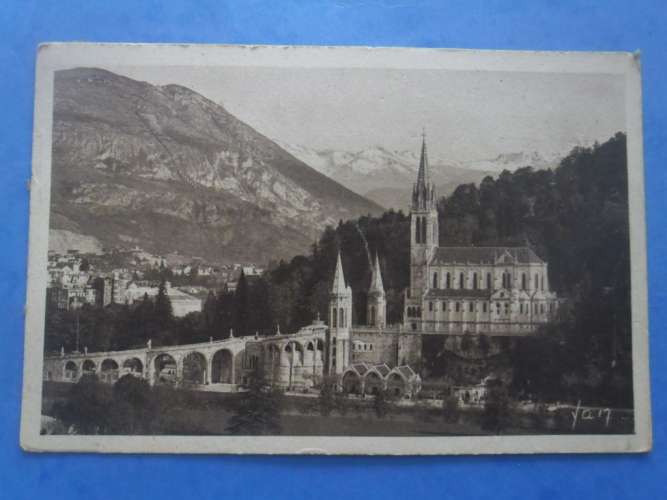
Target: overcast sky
{"points": [[467, 115]]}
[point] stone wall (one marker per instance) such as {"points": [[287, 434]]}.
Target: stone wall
{"points": [[390, 347]]}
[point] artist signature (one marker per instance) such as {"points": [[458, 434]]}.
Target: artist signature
{"points": [[580, 413]]}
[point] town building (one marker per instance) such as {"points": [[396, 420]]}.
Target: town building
{"points": [[181, 303]]}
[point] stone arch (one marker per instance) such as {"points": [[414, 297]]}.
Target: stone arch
{"points": [[396, 384], [373, 382], [351, 382], [109, 370], [71, 371], [88, 366], [133, 366], [222, 367], [165, 368], [194, 368], [310, 357], [294, 352]]}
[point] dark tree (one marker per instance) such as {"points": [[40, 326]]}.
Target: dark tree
{"points": [[258, 411], [164, 314], [86, 407], [133, 407]]}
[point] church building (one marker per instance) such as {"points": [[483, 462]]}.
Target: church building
{"points": [[498, 291]]}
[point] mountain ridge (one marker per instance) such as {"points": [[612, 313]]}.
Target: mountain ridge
{"points": [[154, 162], [386, 176]]}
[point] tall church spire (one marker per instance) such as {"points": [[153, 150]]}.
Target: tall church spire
{"points": [[423, 175], [423, 192]]}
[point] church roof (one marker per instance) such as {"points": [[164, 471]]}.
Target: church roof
{"points": [[382, 369], [483, 255], [444, 293], [406, 371]]}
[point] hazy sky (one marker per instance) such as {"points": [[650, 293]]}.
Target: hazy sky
{"points": [[467, 115]]}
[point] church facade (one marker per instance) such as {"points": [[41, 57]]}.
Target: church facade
{"points": [[497, 292]]}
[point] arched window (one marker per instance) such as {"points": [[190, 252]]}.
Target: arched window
{"points": [[461, 281], [341, 317], [537, 281], [484, 306], [423, 229], [371, 320], [523, 281], [448, 281], [471, 306], [488, 281], [444, 306], [474, 281], [542, 283], [417, 230], [458, 306], [334, 318], [435, 280], [430, 306]]}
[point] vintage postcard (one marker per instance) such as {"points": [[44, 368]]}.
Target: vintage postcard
{"points": [[334, 250]]}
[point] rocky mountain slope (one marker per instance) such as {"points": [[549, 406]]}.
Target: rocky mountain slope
{"points": [[165, 168]]}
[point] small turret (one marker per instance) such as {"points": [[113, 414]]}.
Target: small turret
{"points": [[340, 320], [376, 310]]}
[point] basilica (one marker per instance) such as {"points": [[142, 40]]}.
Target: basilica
{"points": [[495, 292]]}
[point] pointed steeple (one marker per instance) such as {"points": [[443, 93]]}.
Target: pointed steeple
{"points": [[339, 278], [423, 179], [376, 278], [423, 191]]}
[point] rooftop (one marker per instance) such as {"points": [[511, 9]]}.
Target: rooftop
{"points": [[483, 255]]}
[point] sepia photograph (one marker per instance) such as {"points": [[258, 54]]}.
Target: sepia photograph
{"points": [[336, 250]]}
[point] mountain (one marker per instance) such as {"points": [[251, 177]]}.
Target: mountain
{"points": [[386, 176], [165, 168], [383, 175], [513, 161]]}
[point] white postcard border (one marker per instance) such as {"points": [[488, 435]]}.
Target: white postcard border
{"points": [[56, 56]]}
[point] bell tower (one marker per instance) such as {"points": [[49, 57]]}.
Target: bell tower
{"points": [[423, 226], [340, 321]]}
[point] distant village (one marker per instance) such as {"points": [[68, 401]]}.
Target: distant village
{"points": [[125, 276]]}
